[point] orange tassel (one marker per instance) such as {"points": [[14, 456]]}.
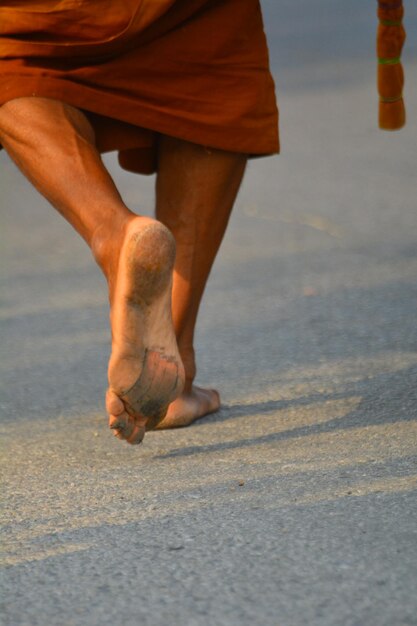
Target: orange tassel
{"points": [[390, 41]]}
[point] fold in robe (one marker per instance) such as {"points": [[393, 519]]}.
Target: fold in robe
{"points": [[390, 40], [193, 69]]}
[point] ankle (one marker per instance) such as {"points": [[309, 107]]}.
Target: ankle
{"points": [[188, 386], [105, 245], [187, 357], [188, 360]]}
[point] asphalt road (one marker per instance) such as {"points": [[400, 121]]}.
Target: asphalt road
{"points": [[295, 504]]}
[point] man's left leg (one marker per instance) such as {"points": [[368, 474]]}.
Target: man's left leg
{"points": [[54, 146], [195, 192]]}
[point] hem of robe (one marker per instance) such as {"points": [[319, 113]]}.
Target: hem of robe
{"points": [[136, 125]]}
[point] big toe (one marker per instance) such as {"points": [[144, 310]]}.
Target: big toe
{"points": [[124, 426], [210, 397], [114, 404]]}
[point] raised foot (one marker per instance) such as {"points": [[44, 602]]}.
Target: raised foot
{"points": [[145, 369], [189, 407]]}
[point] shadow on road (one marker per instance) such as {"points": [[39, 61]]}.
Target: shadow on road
{"points": [[385, 399]]}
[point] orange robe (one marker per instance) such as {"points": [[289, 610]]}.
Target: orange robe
{"points": [[193, 69]]}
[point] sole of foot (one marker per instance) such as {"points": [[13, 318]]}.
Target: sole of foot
{"points": [[189, 407], [145, 369]]}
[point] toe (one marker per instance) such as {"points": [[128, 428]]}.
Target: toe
{"points": [[137, 435], [208, 399], [122, 424], [114, 404], [215, 399], [126, 427]]}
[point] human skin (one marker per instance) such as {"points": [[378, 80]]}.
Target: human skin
{"points": [[152, 364]]}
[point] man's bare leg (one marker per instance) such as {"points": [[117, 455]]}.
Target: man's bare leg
{"points": [[196, 189], [53, 144]]}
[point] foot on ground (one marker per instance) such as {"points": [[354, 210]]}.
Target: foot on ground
{"points": [[189, 407], [145, 369]]}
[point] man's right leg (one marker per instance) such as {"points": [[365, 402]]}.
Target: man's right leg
{"points": [[53, 145]]}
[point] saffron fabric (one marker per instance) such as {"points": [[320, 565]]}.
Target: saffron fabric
{"points": [[193, 69]]}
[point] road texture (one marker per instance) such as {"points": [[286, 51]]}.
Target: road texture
{"points": [[295, 504]]}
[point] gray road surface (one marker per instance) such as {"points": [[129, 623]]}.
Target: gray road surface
{"points": [[294, 505]]}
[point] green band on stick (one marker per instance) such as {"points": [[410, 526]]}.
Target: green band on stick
{"points": [[393, 61], [390, 22], [389, 100]]}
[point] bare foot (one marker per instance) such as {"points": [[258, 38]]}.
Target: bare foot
{"points": [[189, 407], [145, 369]]}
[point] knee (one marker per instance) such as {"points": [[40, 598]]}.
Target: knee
{"points": [[17, 120], [24, 119], [7, 118]]}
